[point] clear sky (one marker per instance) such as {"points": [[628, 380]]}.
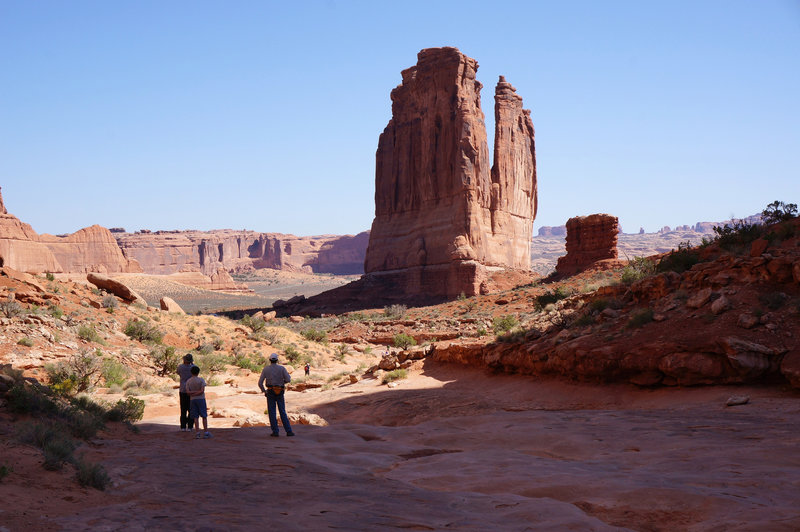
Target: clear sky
{"points": [[265, 115]]}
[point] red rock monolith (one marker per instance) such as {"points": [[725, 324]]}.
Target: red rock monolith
{"points": [[441, 216], [590, 240]]}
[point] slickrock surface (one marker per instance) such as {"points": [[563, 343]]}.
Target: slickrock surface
{"points": [[590, 239], [441, 216]]}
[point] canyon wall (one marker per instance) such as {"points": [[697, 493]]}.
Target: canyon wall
{"points": [[168, 252], [443, 217]]}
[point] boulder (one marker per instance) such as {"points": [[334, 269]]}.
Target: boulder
{"points": [[118, 288], [168, 304], [700, 298], [790, 367]]}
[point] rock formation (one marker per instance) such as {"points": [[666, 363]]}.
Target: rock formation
{"points": [[2, 205], [116, 287], [90, 249], [169, 305], [441, 216], [170, 252], [590, 239]]}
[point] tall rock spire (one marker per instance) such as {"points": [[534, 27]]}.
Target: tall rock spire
{"points": [[441, 214]]}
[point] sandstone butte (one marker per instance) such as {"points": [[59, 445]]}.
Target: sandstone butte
{"points": [[92, 249], [444, 220], [591, 242]]}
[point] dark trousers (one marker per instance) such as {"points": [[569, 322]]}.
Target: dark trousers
{"points": [[186, 421], [274, 400]]}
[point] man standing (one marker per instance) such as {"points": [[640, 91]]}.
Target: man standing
{"points": [[185, 373], [276, 378]]}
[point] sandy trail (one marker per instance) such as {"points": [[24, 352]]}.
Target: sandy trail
{"points": [[451, 449]]}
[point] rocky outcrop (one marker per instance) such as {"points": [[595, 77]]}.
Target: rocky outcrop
{"points": [[441, 217], [90, 249], [2, 205], [170, 252], [590, 239], [116, 287]]}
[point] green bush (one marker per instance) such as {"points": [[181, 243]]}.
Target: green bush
{"points": [[129, 410], [91, 475], [144, 332], [56, 447], [394, 375], [10, 308], [640, 317], [636, 269], [113, 372], [109, 301], [679, 260], [503, 324], [50, 277], [561, 292], [90, 334], [254, 324], [27, 342], [735, 238], [778, 211], [315, 336], [395, 312], [78, 374], [254, 362], [211, 362], [403, 340], [341, 352]]}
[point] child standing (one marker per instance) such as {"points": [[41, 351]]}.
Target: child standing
{"points": [[196, 388]]}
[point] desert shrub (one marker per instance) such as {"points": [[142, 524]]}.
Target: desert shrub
{"points": [[636, 269], [481, 331], [778, 211], [341, 352], [55, 311], [165, 359], [142, 331], [91, 475], [113, 372], [395, 312], [735, 238], [5, 471], [254, 324], [50, 277], [503, 324], [773, 300], [204, 349], [598, 305], [56, 447], [552, 296], [28, 398], [89, 334], [583, 321], [27, 342], [394, 375], [253, 362], [679, 260], [211, 362], [295, 356], [78, 374], [109, 301], [315, 335], [129, 410], [218, 343], [640, 317], [403, 340], [10, 307]]}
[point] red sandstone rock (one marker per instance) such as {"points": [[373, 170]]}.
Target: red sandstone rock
{"points": [[118, 288], [441, 217], [590, 239], [168, 252], [168, 304]]}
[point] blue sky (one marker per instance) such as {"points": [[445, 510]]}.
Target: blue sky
{"points": [[266, 115]]}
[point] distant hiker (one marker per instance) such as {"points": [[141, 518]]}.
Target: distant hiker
{"points": [[185, 373], [308, 369], [276, 378], [196, 388]]}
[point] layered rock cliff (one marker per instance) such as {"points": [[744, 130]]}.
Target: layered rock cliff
{"points": [[590, 239], [441, 215], [169, 252]]}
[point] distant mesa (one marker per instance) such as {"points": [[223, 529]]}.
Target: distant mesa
{"points": [[443, 216]]}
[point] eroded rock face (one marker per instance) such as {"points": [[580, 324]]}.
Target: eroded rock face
{"points": [[169, 252], [441, 216], [590, 239], [92, 249]]}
